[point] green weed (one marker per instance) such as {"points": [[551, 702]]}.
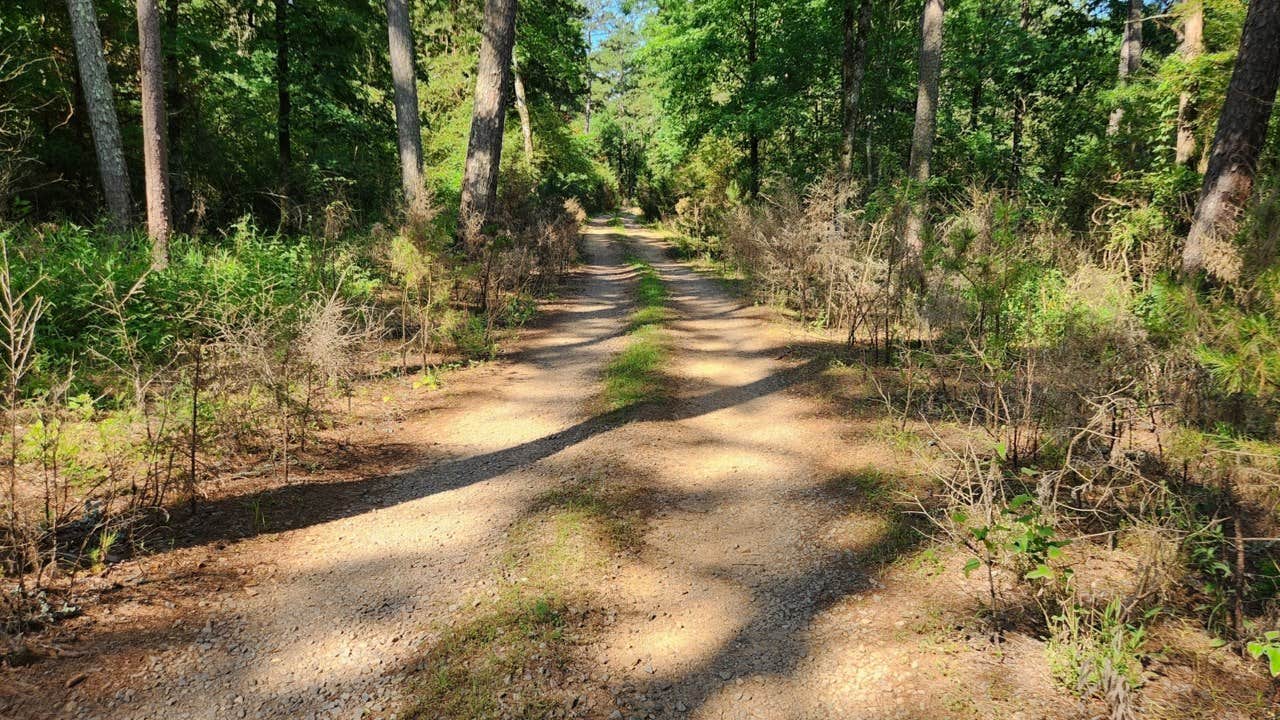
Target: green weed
{"points": [[469, 672], [634, 376]]}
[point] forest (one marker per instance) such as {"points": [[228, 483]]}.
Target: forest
{"points": [[640, 359]]}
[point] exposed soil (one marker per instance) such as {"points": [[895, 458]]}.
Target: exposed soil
{"points": [[752, 562]]}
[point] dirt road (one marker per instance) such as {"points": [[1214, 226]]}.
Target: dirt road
{"points": [[765, 576]]}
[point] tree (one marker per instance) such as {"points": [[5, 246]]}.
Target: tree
{"points": [[175, 106], [1238, 141], [753, 88], [102, 110], [284, 103], [1130, 57], [484, 147], [1022, 92], [856, 25], [522, 110], [1191, 47], [403, 77], [601, 25], [155, 149], [925, 126]]}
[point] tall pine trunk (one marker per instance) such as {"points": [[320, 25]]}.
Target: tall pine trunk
{"points": [[522, 109], [753, 132], [1130, 58], [403, 76], [284, 102], [1192, 47], [1242, 130], [96, 86], [857, 23], [926, 125], [155, 150], [484, 147], [1022, 97]]}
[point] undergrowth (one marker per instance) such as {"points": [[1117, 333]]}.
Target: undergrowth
{"points": [[140, 383]]}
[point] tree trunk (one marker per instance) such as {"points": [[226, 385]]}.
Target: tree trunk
{"points": [[96, 86], [586, 126], [1021, 98], [926, 123], [1192, 47], [484, 147], [179, 193], [753, 135], [1242, 130], [403, 76], [155, 151], [522, 109], [857, 23], [1130, 57], [979, 72], [284, 105]]}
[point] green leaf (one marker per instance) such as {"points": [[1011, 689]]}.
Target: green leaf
{"points": [[1019, 501], [1042, 572], [1002, 451], [973, 564]]}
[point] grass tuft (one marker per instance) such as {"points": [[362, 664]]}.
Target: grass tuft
{"points": [[634, 376], [469, 672]]}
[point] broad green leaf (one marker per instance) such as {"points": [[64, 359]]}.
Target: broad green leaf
{"points": [[1042, 572]]}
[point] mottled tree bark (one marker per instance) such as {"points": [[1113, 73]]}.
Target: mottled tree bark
{"points": [[155, 151], [857, 23], [1192, 47], [1130, 57], [522, 109], [98, 99], [925, 127], [403, 76], [1242, 130], [484, 147]]}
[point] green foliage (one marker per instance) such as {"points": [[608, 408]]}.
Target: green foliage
{"points": [[1097, 652], [634, 376], [1268, 646], [651, 296], [106, 539], [1021, 537], [223, 105], [1206, 549], [473, 337], [108, 309]]}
